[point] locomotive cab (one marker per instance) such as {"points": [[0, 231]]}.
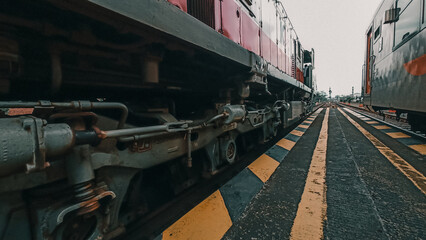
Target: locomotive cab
{"points": [[308, 67]]}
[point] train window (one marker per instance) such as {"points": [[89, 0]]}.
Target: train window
{"points": [[298, 49], [282, 32], [424, 12], [378, 31], [408, 22]]}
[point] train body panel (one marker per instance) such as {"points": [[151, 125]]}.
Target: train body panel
{"points": [[250, 38], [260, 27], [172, 91], [399, 89], [181, 4], [394, 74]]}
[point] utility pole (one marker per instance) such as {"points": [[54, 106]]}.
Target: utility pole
{"points": [[329, 93], [353, 91]]}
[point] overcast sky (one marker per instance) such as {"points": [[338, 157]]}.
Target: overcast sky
{"points": [[336, 30]]}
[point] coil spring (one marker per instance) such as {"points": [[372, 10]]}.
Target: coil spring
{"points": [[84, 193]]}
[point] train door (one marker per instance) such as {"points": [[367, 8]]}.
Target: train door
{"points": [[288, 48], [368, 64], [231, 20], [250, 28], [273, 33], [281, 39], [294, 60]]}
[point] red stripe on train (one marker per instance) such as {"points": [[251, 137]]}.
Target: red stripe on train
{"points": [[417, 67]]}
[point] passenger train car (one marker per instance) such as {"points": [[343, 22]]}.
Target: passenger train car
{"points": [[109, 109], [395, 64]]}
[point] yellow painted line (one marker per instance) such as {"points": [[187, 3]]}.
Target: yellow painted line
{"points": [[382, 127], [304, 126], [308, 121], [398, 135], [421, 148], [318, 111], [286, 144], [372, 122], [312, 208], [297, 133], [418, 179], [264, 167], [209, 220]]}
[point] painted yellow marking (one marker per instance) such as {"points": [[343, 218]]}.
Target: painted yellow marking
{"points": [[286, 144], [418, 179], [421, 148], [297, 133], [382, 127], [318, 111], [303, 126], [308, 121], [264, 167], [372, 122], [398, 135], [208, 220], [312, 208]]}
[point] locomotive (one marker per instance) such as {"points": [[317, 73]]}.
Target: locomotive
{"points": [[110, 108], [394, 75]]}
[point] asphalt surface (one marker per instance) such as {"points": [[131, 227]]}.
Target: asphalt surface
{"points": [[367, 197]]}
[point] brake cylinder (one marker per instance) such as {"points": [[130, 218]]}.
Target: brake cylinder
{"points": [[26, 142]]}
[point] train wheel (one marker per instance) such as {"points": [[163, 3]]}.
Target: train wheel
{"points": [[417, 122]]}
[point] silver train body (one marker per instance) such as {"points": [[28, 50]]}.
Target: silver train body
{"points": [[394, 75]]}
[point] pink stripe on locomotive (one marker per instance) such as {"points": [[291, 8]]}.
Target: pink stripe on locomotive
{"points": [[182, 4], [274, 53], [231, 20], [265, 49], [250, 33]]}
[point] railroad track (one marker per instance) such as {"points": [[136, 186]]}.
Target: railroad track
{"points": [[388, 119], [384, 115], [151, 225]]}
